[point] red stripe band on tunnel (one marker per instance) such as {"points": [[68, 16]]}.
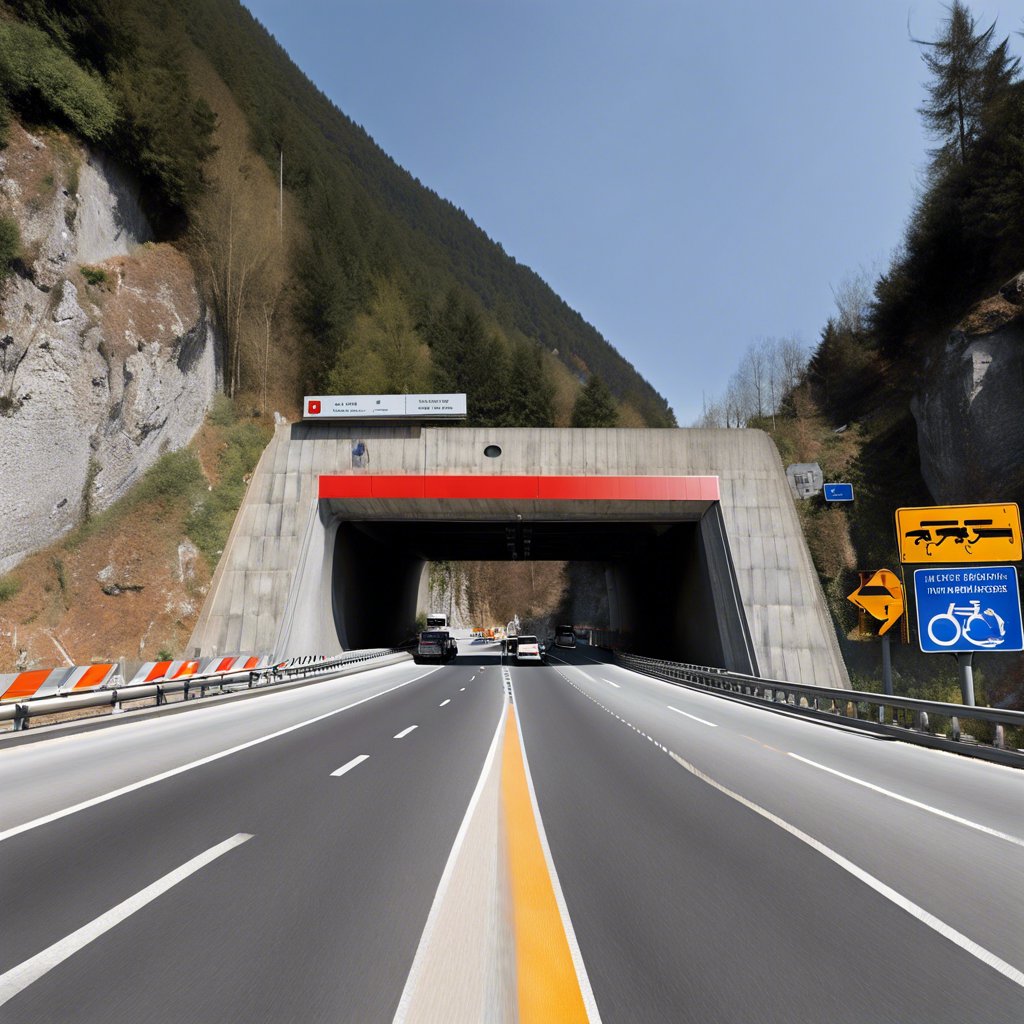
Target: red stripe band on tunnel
{"points": [[539, 488]]}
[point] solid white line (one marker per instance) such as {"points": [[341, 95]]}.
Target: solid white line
{"points": [[20, 977], [703, 721], [349, 765], [574, 947], [913, 803], [616, 685], [446, 878], [170, 773], [442, 704], [937, 925], [405, 732]]}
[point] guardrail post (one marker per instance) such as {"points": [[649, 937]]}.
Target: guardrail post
{"points": [[20, 717], [954, 729], [161, 697], [252, 680], [185, 689], [999, 740], [921, 719]]}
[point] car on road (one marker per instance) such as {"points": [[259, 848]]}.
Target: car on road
{"points": [[529, 649], [565, 636], [436, 645]]}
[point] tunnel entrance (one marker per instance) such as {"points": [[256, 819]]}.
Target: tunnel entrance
{"points": [[671, 588]]}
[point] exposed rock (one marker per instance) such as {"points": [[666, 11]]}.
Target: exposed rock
{"points": [[188, 553], [1013, 290], [116, 589], [100, 373], [969, 424]]}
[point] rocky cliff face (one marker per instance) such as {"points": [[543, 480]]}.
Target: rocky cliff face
{"points": [[970, 409], [107, 355]]}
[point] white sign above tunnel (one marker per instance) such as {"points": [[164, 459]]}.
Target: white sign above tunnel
{"points": [[386, 407]]}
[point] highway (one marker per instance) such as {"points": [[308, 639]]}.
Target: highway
{"points": [[364, 850]]}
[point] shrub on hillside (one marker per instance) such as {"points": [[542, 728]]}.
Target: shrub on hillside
{"points": [[43, 81], [210, 520], [9, 586]]}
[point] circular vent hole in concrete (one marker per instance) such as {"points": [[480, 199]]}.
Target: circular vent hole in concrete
{"points": [[492, 451]]}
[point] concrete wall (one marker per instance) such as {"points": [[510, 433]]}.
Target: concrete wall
{"points": [[279, 547]]}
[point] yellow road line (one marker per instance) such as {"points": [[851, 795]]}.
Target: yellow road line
{"points": [[547, 986]]}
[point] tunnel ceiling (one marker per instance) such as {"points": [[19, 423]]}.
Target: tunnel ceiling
{"points": [[496, 517], [489, 541]]}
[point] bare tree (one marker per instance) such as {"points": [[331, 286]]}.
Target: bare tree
{"points": [[235, 241], [769, 370]]}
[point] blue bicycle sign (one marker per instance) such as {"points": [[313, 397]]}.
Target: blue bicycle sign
{"points": [[980, 628], [968, 609]]}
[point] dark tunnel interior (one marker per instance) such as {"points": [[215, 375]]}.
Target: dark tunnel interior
{"points": [[676, 590]]}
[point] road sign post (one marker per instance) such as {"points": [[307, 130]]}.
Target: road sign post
{"points": [[945, 534], [965, 609], [886, 667], [964, 664], [838, 492], [880, 594]]}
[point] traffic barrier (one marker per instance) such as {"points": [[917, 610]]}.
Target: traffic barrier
{"points": [[54, 682], [171, 677], [825, 703], [157, 671]]}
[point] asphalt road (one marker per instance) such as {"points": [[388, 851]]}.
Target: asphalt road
{"points": [[315, 918], [275, 859], [690, 905]]}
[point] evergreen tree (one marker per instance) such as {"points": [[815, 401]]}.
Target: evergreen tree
{"points": [[969, 73], [595, 406], [528, 394]]}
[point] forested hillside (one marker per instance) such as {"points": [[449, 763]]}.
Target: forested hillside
{"points": [[914, 390], [380, 284]]}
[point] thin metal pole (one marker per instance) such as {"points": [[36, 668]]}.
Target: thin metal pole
{"points": [[964, 660], [886, 665]]}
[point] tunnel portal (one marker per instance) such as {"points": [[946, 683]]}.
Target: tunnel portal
{"points": [[705, 558], [671, 581]]}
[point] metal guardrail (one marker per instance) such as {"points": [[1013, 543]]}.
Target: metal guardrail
{"points": [[907, 718], [193, 687]]}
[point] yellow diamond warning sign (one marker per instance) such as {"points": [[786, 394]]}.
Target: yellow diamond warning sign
{"points": [[881, 596], [959, 533]]}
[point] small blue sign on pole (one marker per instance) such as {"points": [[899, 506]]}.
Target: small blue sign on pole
{"points": [[839, 492], [968, 609]]}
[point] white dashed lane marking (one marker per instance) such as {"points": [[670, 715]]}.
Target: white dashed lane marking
{"points": [[703, 721], [405, 732], [936, 924], [349, 765]]}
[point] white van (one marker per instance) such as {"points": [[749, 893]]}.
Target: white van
{"points": [[528, 649]]}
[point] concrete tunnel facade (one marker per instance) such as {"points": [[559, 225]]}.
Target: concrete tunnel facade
{"points": [[706, 559]]}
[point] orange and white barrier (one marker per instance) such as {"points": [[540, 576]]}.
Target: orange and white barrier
{"points": [[54, 682], [58, 682], [161, 671]]}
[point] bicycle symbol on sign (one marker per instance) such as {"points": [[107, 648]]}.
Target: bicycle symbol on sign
{"points": [[977, 627]]}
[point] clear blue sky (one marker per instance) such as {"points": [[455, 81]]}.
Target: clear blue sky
{"points": [[689, 177]]}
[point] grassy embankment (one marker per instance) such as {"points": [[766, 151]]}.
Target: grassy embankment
{"points": [[130, 580]]}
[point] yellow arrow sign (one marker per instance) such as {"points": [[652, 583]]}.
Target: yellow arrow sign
{"points": [[946, 534], [881, 597]]}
